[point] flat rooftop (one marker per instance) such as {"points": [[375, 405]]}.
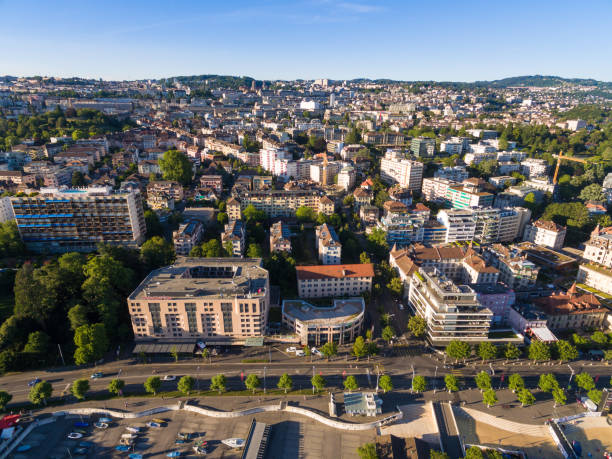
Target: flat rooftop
{"points": [[205, 278], [341, 311]]}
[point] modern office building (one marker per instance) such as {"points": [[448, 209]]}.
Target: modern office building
{"points": [[207, 298], [76, 220], [328, 281], [340, 323], [452, 311]]}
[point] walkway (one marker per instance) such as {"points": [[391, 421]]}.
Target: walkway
{"points": [[449, 433], [504, 424]]}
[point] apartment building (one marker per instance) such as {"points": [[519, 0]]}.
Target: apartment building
{"points": [[6, 209], [362, 197], [349, 152], [227, 148], [436, 189], [346, 178], [323, 281], [280, 237], [455, 174], [598, 248], [459, 223], [515, 270], [423, 147], [166, 187], [219, 299], [328, 245], [234, 234], [546, 233], [65, 220], [468, 195], [212, 181], [452, 311], [395, 168], [281, 203], [340, 323], [187, 236], [595, 276], [402, 226], [384, 138]]}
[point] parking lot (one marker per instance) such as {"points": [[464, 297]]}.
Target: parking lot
{"points": [[291, 437]]}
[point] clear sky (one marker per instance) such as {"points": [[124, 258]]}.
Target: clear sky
{"points": [[459, 40]]}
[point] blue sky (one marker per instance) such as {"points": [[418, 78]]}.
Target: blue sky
{"points": [[409, 40]]}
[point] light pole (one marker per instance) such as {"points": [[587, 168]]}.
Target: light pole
{"points": [[264, 380], [492, 370], [434, 381], [198, 378], [569, 384], [313, 375]]}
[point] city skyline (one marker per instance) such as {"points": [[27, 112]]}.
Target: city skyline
{"points": [[308, 39]]}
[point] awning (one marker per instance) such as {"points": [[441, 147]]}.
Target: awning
{"points": [[164, 348], [253, 342]]}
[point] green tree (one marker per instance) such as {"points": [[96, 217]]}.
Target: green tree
{"points": [[435, 454], [600, 339], [157, 252], [585, 381], [350, 383], [252, 215], [254, 251], [91, 342], [116, 386], [396, 287], [318, 382], [385, 383], [364, 259], [174, 353], [419, 384], [377, 243], [329, 349], [175, 165], [11, 244], [530, 201], [458, 350], [185, 384], [152, 385], [538, 351], [608, 355], [40, 393], [360, 349], [511, 351], [388, 333], [525, 397], [592, 192], [417, 326], [474, 452], [487, 351], [222, 218], [489, 397], [565, 350], [154, 226], [218, 383], [37, 342], [77, 316], [548, 382], [80, 388], [559, 396], [452, 383], [5, 398], [367, 451], [353, 137], [515, 383], [305, 214], [483, 380], [33, 299], [595, 395], [252, 382], [285, 382]]}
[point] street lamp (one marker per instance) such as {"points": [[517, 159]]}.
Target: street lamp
{"points": [[313, 375], [198, 378], [264, 380], [434, 381], [569, 384]]}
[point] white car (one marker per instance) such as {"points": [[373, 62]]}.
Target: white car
{"points": [[169, 378], [75, 435], [299, 353], [317, 352], [290, 349]]}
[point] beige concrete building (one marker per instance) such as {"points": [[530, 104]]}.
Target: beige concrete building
{"points": [[205, 298], [546, 233], [280, 203], [326, 281], [341, 323]]}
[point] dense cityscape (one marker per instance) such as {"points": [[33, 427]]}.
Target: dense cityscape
{"points": [[403, 242]]}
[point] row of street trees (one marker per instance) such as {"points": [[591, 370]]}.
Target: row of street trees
{"points": [[537, 351]]}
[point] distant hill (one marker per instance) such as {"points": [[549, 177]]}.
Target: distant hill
{"points": [[541, 81]]}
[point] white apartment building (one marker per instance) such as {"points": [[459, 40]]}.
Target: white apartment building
{"points": [[546, 233], [596, 277], [285, 169], [476, 271], [317, 171], [456, 173], [328, 245], [598, 248], [532, 167], [394, 168], [511, 156], [346, 178], [499, 225], [475, 158], [348, 152], [436, 188], [235, 234], [452, 311], [6, 209], [324, 281], [459, 223], [452, 148], [268, 156]]}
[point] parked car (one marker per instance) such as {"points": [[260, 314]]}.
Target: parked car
{"points": [[34, 382], [97, 375], [169, 378], [316, 352], [299, 353], [75, 435], [290, 349]]}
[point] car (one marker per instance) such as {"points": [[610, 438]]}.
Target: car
{"points": [[401, 306], [153, 424], [299, 353], [184, 435], [101, 425], [169, 378], [75, 435], [290, 349], [97, 375], [317, 352], [81, 450], [34, 382]]}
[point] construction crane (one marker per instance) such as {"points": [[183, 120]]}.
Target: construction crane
{"points": [[569, 158]]}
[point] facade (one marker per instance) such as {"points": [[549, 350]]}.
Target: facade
{"points": [[546, 233], [401, 226], [204, 298], [452, 311], [212, 181], [328, 245], [468, 195], [283, 203], [459, 223], [456, 173], [595, 276], [167, 187], [498, 298], [422, 147], [235, 234], [280, 237], [533, 167], [234, 209], [515, 270], [187, 236], [341, 323], [324, 281], [77, 220], [598, 249], [435, 189], [395, 168], [6, 209], [346, 178]]}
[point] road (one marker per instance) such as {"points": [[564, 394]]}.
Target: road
{"points": [[449, 435], [399, 367]]}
